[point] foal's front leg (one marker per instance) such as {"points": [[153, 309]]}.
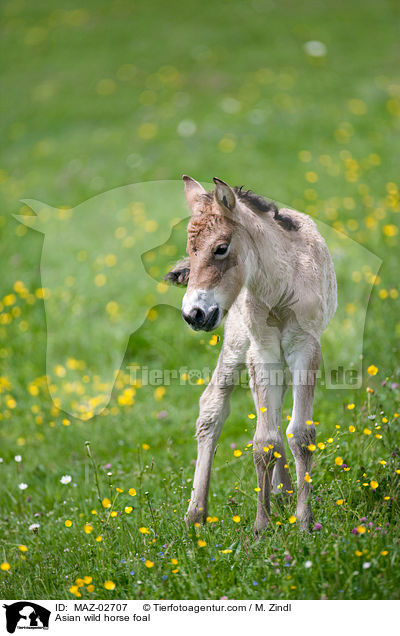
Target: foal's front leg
{"points": [[214, 409]]}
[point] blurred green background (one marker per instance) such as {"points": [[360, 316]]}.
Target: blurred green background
{"points": [[300, 102]]}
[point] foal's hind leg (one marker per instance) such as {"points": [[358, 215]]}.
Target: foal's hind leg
{"points": [[303, 355], [266, 376], [214, 409]]}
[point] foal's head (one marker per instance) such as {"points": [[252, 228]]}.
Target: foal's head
{"points": [[216, 259]]}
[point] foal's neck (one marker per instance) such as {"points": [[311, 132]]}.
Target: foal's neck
{"points": [[268, 266]]}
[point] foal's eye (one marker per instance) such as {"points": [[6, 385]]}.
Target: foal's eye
{"points": [[222, 249]]}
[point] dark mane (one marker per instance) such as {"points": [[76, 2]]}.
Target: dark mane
{"points": [[260, 205]]}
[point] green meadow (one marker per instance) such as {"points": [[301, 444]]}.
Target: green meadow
{"points": [[300, 103]]}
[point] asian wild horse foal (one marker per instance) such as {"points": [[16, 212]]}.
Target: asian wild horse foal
{"points": [[270, 273]]}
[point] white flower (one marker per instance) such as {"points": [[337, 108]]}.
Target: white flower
{"points": [[315, 48], [366, 565], [34, 526], [18, 458], [22, 486], [308, 564], [186, 128], [65, 479], [1, 460]]}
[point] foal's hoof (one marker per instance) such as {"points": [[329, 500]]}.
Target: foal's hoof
{"points": [[195, 516]]}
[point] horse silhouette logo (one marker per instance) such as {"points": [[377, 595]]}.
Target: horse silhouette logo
{"points": [[100, 280], [26, 615]]}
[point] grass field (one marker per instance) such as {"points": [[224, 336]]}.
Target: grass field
{"points": [[116, 93]]}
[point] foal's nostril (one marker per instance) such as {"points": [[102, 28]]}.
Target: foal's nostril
{"points": [[198, 316], [195, 318]]}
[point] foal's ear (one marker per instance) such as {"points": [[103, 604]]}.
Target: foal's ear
{"points": [[224, 194], [179, 274], [192, 190]]}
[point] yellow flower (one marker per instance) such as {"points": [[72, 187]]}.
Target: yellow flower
{"points": [[68, 523], [75, 590], [358, 553], [382, 461], [372, 370], [257, 489], [119, 490], [159, 394], [144, 530], [113, 514], [148, 564], [338, 461], [99, 539], [5, 566], [384, 552], [23, 548], [145, 447], [106, 503], [360, 529], [263, 409], [390, 230], [309, 422], [87, 580], [350, 407], [90, 588], [374, 484], [289, 435], [366, 431], [174, 561], [237, 453], [251, 416], [311, 447], [128, 509], [132, 492], [109, 585], [307, 478], [352, 428], [321, 445], [277, 455], [292, 519], [339, 502], [175, 571], [88, 528], [236, 518], [201, 543]]}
